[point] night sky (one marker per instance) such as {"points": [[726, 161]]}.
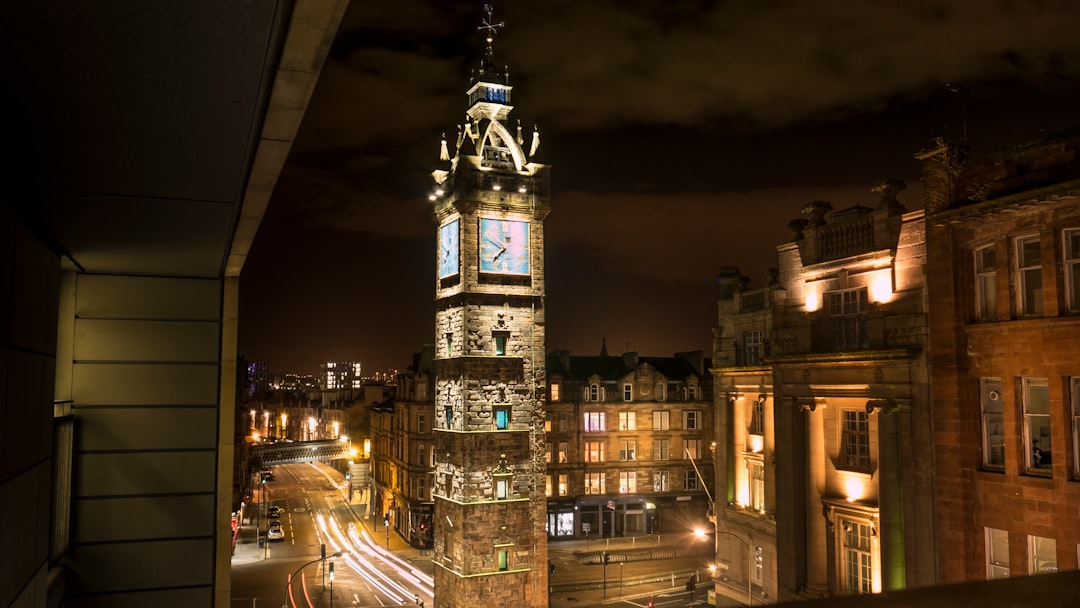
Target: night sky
{"points": [[682, 135]]}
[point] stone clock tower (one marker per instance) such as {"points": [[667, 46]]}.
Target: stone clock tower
{"points": [[490, 199]]}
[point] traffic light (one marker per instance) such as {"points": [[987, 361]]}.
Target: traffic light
{"points": [[331, 572]]}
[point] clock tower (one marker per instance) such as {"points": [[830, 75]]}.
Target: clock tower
{"points": [[490, 199]]}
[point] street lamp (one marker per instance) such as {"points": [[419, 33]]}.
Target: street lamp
{"points": [[288, 584], [749, 561]]}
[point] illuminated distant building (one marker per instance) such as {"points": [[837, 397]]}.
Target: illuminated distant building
{"points": [[340, 375], [822, 396], [257, 378]]}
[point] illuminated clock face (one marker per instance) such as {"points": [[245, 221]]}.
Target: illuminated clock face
{"points": [[448, 249], [504, 246]]}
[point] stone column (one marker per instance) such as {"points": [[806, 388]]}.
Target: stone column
{"points": [[738, 433], [817, 582]]}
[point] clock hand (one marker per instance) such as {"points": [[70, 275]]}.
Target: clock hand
{"points": [[502, 250]]}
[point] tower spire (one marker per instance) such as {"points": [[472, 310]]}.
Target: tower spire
{"points": [[491, 27]]}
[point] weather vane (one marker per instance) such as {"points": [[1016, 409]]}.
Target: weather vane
{"points": [[490, 26]]}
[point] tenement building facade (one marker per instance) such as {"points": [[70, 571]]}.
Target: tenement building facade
{"points": [[822, 400], [490, 199], [1003, 237], [629, 446]]}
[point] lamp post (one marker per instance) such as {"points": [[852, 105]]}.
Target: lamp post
{"points": [[288, 584], [749, 562]]}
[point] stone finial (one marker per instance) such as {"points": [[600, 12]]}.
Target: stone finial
{"points": [[817, 210], [797, 226], [888, 189]]}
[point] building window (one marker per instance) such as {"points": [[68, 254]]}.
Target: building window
{"points": [[1042, 555], [692, 420], [855, 440], [627, 392], [554, 392], [594, 392], [660, 481], [547, 422], [547, 486], [563, 457], [502, 417], [661, 451], [1037, 424], [1071, 267], [1029, 276], [564, 422], [858, 564], [752, 347], [985, 284], [691, 392], [1075, 392], [421, 455], [500, 339], [661, 420], [595, 422], [564, 484], [993, 424], [449, 345], [755, 469], [997, 553], [547, 453], [660, 391], [627, 421], [847, 316], [627, 482], [692, 448], [502, 489], [421, 423], [757, 419], [627, 450], [503, 560], [594, 483], [689, 480], [594, 451]]}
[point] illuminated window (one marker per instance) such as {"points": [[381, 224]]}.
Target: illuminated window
{"points": [[627, 392], [627, 450], [563, 457], [1037, 425], [627, 421], [554, 392], [755, 469], [594, 483], [1071, 266], [858, 566], [689, 480], [1042, 555], [547, 422], [595, 422], [661, 451], [502, 489], [985, 284], [661, 420], [997, 553], [502, 417], [692, 420], [660, 481], [503, 560], [1029, 288], [547, 486], [547, 452], [564, 484], [627, 482], [847, 317], [594, 451], [692, 448], [993, 424], [855, 440]]}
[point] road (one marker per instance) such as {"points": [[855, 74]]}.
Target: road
{"points": [[314, 513]]}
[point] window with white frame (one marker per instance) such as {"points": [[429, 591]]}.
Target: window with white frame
{"points": [[595, 422], [661, 420], [1037, 424], [593, 393], [554, 391], [661, 449], [985, 284], [997, 553], [692, 420], [564, 457], [502, 489], [858, 566], [855, 440], [627, 482], [689, 480], [1074, 385], [627, 392], [847, 316], [1042, 555], [1071, 266], [755, 473], [628, 449], [1029, 285], [594, 451], [993, 424], [660, 481], [691, 392], [692, 448], [564, 484], [752, 346], [627, 421], [594, 483]]}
